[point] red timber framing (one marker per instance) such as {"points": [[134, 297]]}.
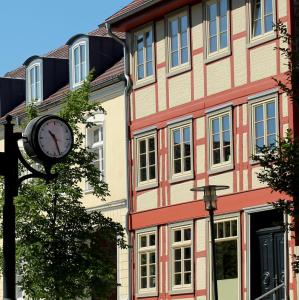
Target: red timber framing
{"points": [[152, 208]]}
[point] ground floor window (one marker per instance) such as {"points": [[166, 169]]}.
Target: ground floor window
{"points": [[146, 261], [181, 257], [226, 242]]}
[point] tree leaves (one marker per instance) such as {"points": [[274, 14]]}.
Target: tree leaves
{"points": [[62, 249]]}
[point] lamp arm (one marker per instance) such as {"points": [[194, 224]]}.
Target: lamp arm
{"points": [[37, 175], [34, 173]]}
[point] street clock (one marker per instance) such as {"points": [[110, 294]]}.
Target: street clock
{"points": [[48, 139]]}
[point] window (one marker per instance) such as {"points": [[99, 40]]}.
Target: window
{"points": [[181, 258], [264, 124], [34, 83], [217, 26], [226, 243], [147, 262], [144, 54], [178, 32], [79, 63], [220, 138], [95, 144], [262, 17], [146, 160], [181, 150]]}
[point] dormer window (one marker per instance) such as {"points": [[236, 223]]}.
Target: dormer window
{"points": [[34, 79], [79, 63], [90, 52], [34, 82]]}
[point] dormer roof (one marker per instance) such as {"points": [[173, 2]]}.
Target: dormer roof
{"points": [[113, 73], [75, 37], [110, 76], [29, 60]]}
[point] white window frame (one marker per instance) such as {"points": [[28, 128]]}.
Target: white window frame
{"points": [[220, 52], [35, 65], [147, 78], [220, 219], [149, 182], [77, 45], [223, 165], [183, 288], [264, 36], [146, 292], [181, 66], [257, 102], [98, 120], [183, 175]]}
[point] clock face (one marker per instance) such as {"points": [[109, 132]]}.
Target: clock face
{"points": [[54, 138]]}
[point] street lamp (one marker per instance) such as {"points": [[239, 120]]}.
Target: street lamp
{"points": [[210, 200]]}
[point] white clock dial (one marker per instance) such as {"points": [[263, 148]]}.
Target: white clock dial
{"points": [[54, 138]]}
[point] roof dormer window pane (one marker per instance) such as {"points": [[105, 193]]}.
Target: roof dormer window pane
{"points": [[34, 83], [76, 64], [79, 63], [83, 61]]}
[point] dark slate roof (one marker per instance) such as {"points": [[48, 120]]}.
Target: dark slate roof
{"points": [[133, 6], [61, 52], [17, 73], [102, 31], [115, 72]]}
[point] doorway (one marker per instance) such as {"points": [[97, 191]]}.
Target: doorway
{"points": [[267, 253]]}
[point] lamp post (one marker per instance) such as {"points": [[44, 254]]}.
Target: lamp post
{"points": [[9, 160], [210, 200]]}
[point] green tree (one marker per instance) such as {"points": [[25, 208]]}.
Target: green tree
{"points": [[63, 251], [289, 84], [280, 162]]}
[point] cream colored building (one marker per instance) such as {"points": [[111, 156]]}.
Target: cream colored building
{"points": [[107, 139]]}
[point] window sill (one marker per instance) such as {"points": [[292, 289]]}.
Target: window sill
{"points": [[182, 177], [220, 169], [217, 56], [144, 82], [178, 70], [88, 191], [34, 102], [77, 85], [261, 40], [146, 294], [181, 291], [146, 186]]}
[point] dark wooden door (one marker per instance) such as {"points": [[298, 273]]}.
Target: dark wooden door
{"points": [[271, 259]]}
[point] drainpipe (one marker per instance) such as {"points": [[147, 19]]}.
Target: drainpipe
{"points": [[127, 112]]}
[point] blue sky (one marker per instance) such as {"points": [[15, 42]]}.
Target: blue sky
{"points": [[34, 27]]}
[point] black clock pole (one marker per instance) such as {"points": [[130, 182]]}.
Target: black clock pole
{"points": [[9, 168], [9, 160]]}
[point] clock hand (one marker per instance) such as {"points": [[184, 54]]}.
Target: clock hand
{"points": [[55, 140]]}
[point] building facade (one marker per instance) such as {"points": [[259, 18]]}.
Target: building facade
{"points": [[46, 80], [203, 101]]}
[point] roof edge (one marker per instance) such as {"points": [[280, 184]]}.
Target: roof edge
{"points": [[149, 3], [75, 37], [30, 59]]}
